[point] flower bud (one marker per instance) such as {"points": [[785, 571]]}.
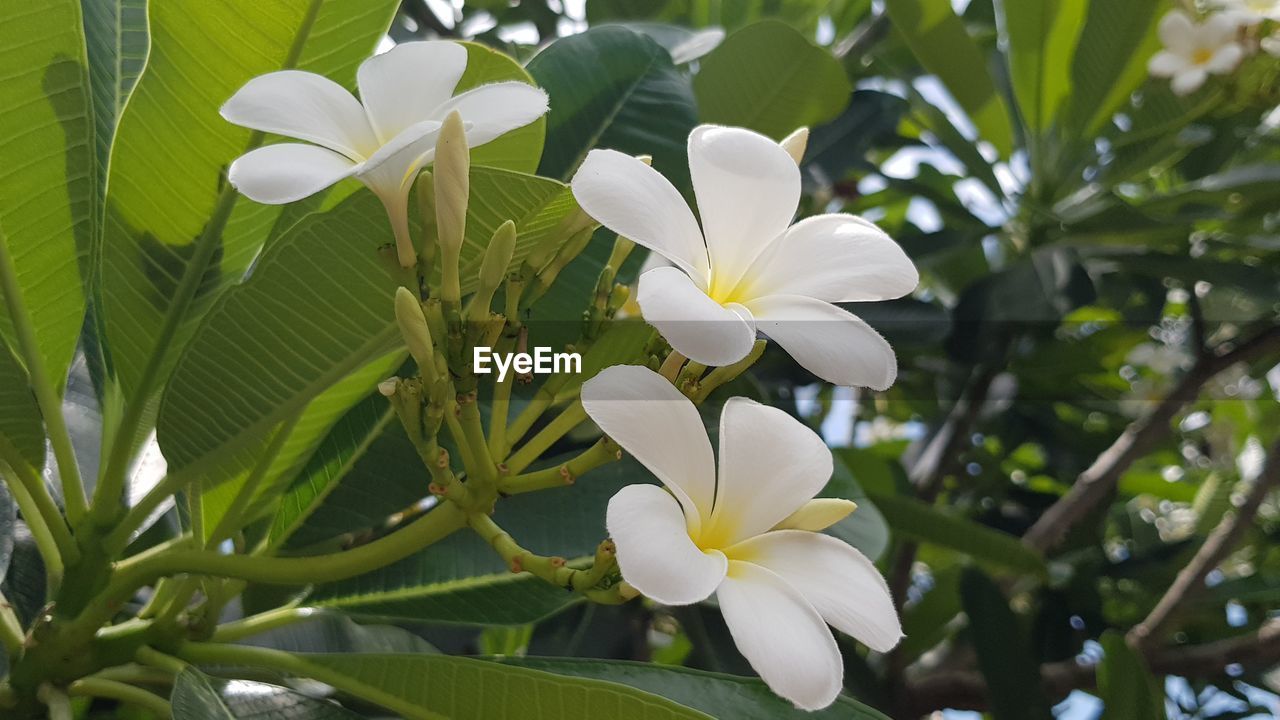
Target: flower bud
{"points": [[452, 186], [795, 143], [413, 326], [388, 387], [498, 255]]}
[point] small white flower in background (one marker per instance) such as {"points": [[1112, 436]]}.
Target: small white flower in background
{"points": [[747, 268], [750, 537], [1250, 12], [406, 93], [1271, 44], [1193, 51]]}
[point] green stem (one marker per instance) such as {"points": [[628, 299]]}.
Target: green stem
{"points": [[473, 435], [162, 661], [567, 420], [53, 538], [168, 486], [134, 572], [262, 622], [46, 392], [603, 452], [56, 701], [241, 655], [120, 692], [11, 634]]}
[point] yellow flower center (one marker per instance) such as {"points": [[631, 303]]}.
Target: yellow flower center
{"points": [[1202, 56]]}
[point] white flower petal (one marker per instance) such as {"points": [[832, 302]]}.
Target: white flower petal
{"points": [[637, 202], [1218, 29], [1189, 80], [748, 189], [305, 106], [770, 465], [1178, 32], [492, 110], [697, 326], [827, 341], [405, 85], [837, 258], [284, 173], [817, 515], [1167, 64], [660, 427], [391, 170], [1225, 60], [781, 635], [655, 552], [840, 582], [1271, 45]]}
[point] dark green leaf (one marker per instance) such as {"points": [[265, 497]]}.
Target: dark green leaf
{"points": [[197, 696], [769, 78], [1127, 689], [614, 88], [721, 696], [1012, 673]]}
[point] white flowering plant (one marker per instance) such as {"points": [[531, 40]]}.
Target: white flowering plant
{"points": [[663, 360]]}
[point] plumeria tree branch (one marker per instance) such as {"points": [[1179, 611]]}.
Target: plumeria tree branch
{"points": [[1100, 478], [1217, 546], [966, 690]]}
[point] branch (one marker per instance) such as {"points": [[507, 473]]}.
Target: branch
{"points": [[1099, 479], [966, 690], [1216, 547]]}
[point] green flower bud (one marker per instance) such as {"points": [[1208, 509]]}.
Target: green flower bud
{"points": [[413, 326]]}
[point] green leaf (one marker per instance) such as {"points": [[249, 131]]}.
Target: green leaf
{"points": [[46, 171], [8, 525], [169, 215], [116, 39], [302, 439], [716, 694], [771, 79], [20, 425], [938, 39], [331, 632], [1126, 687], [1110, 62], [197, 696], [866, 529], [925, 523], [614, 88], [1011, 671], [520, 149], [461, 579], [1042, 37], [472, 689], [317, 308]]}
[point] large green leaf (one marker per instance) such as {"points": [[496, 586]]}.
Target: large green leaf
{"points": [[462, 580], [1127, 689], [197, 696], [116, 38], [471, 689], [1011, 671], [722, 696], [46, 171], [317, 308], [1110, 62], [614, 88], [20, 426], [169, 214], [924, 523], [771, 79], [938, 39], [1042, 37]]}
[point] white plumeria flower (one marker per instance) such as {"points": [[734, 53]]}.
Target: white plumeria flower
{"points": [[747, 268], [1195, 50], [749, 537], [406, 92], [1250, 12]]}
